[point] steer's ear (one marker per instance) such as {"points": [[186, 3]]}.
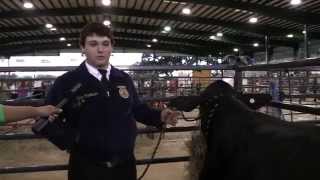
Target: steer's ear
{"points": [[185, 103]]}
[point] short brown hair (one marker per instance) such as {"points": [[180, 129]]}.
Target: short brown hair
{"points": [[95, 28]]}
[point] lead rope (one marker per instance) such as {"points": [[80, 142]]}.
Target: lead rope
{"points": [[158, 143], [154, 152]]}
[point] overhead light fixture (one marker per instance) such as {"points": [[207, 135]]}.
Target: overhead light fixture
{"points": [[253, 20], [62, 39], [167, 28], [154, 40], [27, 5], [68, 44], [235, 49], [149, 45], [174, 2], [186, 11], [219, 34], [213, 37], [53, 29], [290, 36], [106, 2], [303, 32], [295, 2], [237, 10], [49, 26], [107, 23], [255, 44]]}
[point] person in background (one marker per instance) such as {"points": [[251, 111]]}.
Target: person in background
{"points": [[23, 89], [275, 94], [15, 113]]}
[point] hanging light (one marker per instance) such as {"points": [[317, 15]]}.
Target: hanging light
{"points": [[213, 37], [106, 22], [219, 34], [253, 20], [186, 11], [27, 5], [290, 36], [167, 28], [49, 26], [106, 2], [295, 2]]}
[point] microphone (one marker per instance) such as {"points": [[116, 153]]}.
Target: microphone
{"points": [[54, 131]]}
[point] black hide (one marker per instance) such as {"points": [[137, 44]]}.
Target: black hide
{"points": [[244, 144]]}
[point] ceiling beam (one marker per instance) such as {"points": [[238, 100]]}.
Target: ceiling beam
{"points": [[12, 50], [147, 38], [292, 15], [244, 27], [229, 39]]}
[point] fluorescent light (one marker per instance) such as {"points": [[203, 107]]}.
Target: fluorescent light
{"points": [[49, 26], [186, 11], [53, 29], [290, 36], [68, 44], [149, 45], [219, 34], [167, 28], [255, 44], [106, 2], [212, 37], [295, 2], [235, 49], [62, 39], [107, 23], [253, 20], [154, 40], [303, 32], [27, 5]]}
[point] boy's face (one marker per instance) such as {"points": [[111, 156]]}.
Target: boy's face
{"points": [[97, 50]]}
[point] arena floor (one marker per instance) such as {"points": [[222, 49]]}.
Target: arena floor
{"points": [[40, 152]]}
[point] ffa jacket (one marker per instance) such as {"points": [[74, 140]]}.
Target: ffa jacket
{"points": [[101, 121]]}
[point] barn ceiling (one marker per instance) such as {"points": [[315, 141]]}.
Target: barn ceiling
{"points": [[137, 22]]}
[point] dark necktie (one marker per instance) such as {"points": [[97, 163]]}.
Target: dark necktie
{"points": [[104, 81]]}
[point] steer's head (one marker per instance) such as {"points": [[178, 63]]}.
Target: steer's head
{"points": [[209, 100]]}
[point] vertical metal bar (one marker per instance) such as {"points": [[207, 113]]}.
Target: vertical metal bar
{"points": [[306, 40], [290, 95], [237, 79], [266, 41]]}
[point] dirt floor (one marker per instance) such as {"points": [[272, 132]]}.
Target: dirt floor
{"points": [[40, 152]]}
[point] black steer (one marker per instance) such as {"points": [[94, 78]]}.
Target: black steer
{"points": [[244, 144]]}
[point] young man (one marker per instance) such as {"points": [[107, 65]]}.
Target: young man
{"points": [[16, 113], [103, 112]]}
